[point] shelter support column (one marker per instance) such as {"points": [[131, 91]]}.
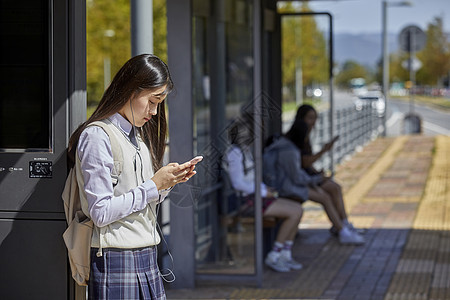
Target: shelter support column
{"points": [[179, 44]]}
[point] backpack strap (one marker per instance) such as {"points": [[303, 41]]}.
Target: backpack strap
{"points": [[70, 193], [118, 164], [115, 148]]}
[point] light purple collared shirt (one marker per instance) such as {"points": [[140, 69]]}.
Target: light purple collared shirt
{"points": [[94, 150]]}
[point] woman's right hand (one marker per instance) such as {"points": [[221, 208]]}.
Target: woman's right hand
{"points": [[271, 193], [329, 145], [172, 174]]}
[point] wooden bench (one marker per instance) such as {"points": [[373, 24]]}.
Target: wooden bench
{"points": [[231, 217]]}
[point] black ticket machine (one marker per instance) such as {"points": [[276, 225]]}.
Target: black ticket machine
{"points": [[39, 49]]}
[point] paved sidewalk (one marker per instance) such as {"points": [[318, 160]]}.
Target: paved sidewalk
{"points": [[397, 188]]}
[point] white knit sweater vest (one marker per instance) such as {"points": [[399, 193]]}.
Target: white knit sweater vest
{"points": [[138, 229]]}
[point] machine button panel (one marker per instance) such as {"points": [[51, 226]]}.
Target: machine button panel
{"points": [[41, 169]]}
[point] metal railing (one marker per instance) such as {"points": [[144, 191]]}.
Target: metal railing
{"points": [[355, 129]]}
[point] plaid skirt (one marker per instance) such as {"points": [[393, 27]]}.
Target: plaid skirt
{"points": [[125, 274]]}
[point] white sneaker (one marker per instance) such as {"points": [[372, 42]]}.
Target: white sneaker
{"points": [[293, 265], [277, 263], [350, 237], [290, 262], [354, 229]]}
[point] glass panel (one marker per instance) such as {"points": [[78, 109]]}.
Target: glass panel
{"points": [[223, 84], [24, 75], [306, 70]]}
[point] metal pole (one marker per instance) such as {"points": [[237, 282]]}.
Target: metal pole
{"points": [[106, 72], [332, 108], [141, 27], [412, 72], [385, 65], [257, 94], [298, 83]]}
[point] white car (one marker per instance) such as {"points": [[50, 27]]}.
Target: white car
{"points": [[376, 100]]}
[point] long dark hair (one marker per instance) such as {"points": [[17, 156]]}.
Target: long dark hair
{"points": [[298, 134], [302, 111], [241, 132], [142, 72]]}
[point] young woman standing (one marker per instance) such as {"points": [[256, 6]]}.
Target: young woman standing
{"points": [[124, 208]]}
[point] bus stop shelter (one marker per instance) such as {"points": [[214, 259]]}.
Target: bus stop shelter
{"points": [[225, 60]]}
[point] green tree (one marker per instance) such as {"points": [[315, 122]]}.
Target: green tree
{"points": [[109, 39], [303, 46], [351, 69], [160, 29], [435, 56], [397, 73]]}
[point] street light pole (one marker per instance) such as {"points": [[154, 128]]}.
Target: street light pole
{"points": [[385, 64], [385, 5], [108, 34]]}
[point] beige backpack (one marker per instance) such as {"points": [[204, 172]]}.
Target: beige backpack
{"points": [[78, 234]]}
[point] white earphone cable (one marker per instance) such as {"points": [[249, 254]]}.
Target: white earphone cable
{"points": [[156, 225]]}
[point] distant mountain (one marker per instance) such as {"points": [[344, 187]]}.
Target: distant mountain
{"points": [[362, 48]]}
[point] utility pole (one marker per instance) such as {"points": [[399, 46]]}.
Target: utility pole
{"points": [[385, 5], [385, 64]]}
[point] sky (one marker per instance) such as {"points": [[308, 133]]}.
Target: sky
{"points": [[365, 16]]}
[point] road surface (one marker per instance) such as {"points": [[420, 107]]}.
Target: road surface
{"points": [[434, 121]]}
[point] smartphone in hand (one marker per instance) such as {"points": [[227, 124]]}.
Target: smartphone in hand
{"points": [[196, 160]]}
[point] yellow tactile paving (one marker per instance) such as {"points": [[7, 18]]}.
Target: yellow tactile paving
{"points": [[434, 209], [362, 221], [401, 199], [366, 182], [369, 176], [423, 272]]}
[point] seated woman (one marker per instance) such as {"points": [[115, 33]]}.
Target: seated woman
{"points": [[294, 183], [239, 163], [308, 114]]}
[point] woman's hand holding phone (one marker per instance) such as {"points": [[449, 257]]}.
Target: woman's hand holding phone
{"points": [[174, 173], [191, 165], [329, 145], [196, 160]]}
